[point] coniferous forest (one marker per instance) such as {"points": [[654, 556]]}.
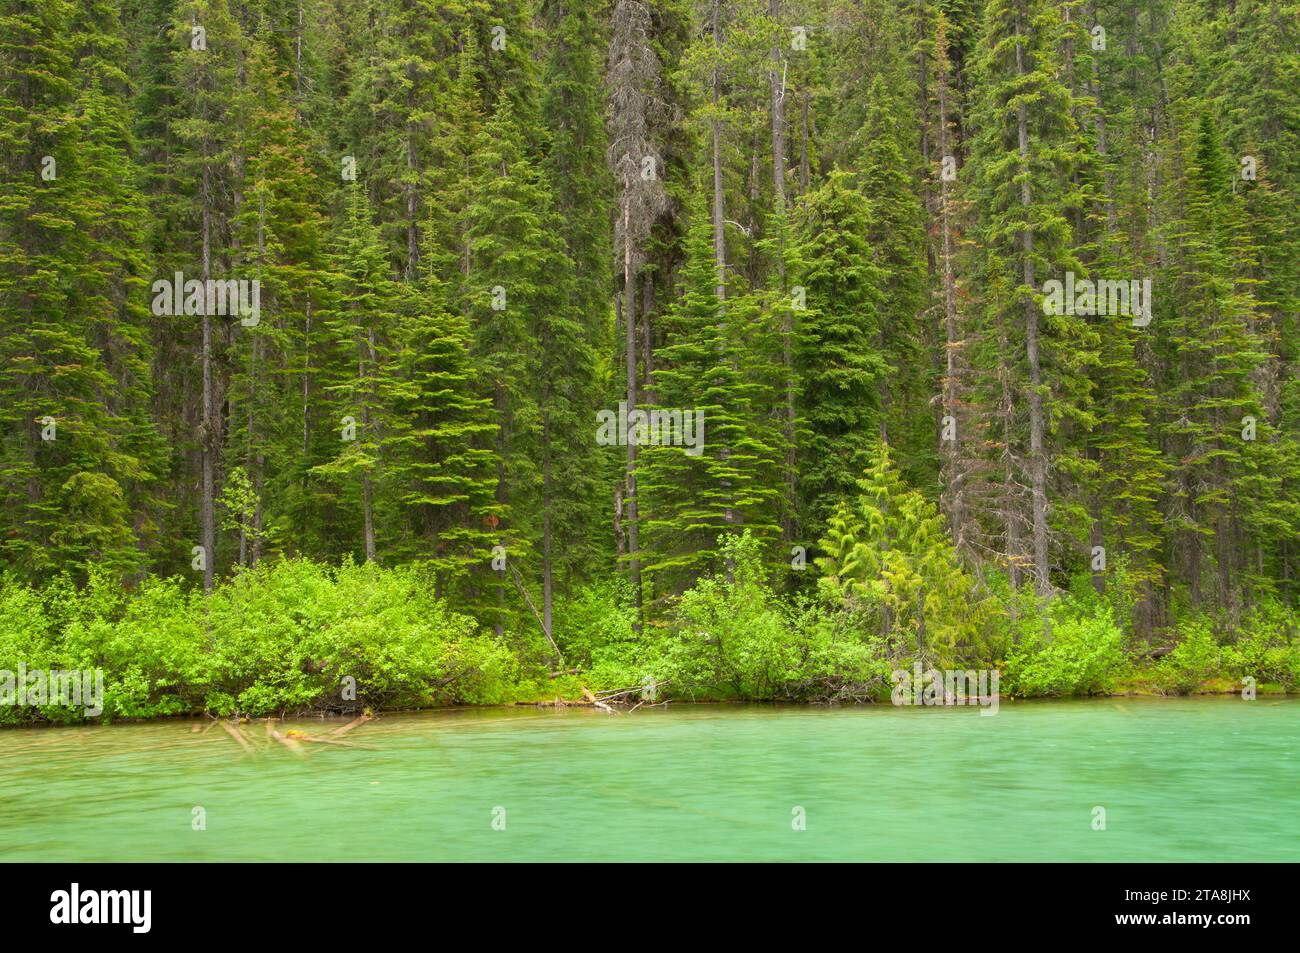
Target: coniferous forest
{"points": [[487, 350]]}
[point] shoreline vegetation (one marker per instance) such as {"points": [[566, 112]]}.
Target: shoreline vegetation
{"points": [[298, 637]]}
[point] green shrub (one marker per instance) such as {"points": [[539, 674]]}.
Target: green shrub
{"points": [[1266, 647], [1077, 652], [1193, 660], [597, 622], [280, 638], [733, 638]]}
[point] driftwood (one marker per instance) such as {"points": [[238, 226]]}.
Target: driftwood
{"points": [[359, 720], [328, 741], [593, 700], [290, 743], [610, 694], [238, 735]]}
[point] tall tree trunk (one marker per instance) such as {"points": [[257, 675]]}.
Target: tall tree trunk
{"points": [[719, 219], [367, 487], [306, 385], [715, 125], [209, 425], [805, 166], [1037, 422], [647, 338], [954, 472], [629, 327], [776, 77], [412, 202], [547, 503]]}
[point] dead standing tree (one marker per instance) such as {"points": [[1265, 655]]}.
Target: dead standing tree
{"points": [[636, 109]]}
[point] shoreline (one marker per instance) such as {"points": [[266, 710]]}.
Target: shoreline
{"points": [[207, 718]]}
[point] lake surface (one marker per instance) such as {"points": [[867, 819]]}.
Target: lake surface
{"points": [[1180, 779]]}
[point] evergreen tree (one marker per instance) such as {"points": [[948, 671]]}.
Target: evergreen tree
{"points": [[1208, 391], [78, 452], [362, 314], [897, 230], [578, 340], [726, 476], [1031, 362], [839, 361], [889, 558]]}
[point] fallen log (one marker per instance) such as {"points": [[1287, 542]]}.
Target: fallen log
{"points": [[237, 735], [327, 741], [609, 694], [359, 720], [592, 699], [289, 743]]}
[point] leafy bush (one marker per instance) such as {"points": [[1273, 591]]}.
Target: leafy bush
{"points": [[275, 639], [1078, 651], [733, 638], [284, 637], [1193, 659], [599, 620], [1266, 648]]}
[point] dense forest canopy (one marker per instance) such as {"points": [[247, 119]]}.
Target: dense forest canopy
{"points": [[924, 300]]}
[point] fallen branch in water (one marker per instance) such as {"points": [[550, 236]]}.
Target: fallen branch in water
{"points": [[237, 735], [359, 720], [586, 693], [330, 741], [289, 743], [610, 694]]}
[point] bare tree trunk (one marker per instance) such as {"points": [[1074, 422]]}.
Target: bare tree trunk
{"points": [[306, 384], [547, 503], [954, 473], [255, 458], [647, 350], [1037, 452], [502, 495], [805, 167], [719, 220], [367, 488], [776, 77], [1010, 498], [412, 204], [630, 500], [209, 443]]}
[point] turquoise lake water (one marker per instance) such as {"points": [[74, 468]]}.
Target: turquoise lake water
{"points": [[1179, 779]]}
